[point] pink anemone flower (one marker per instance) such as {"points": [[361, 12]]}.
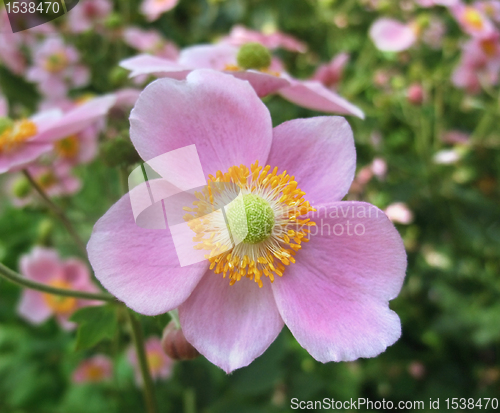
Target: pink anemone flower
{"points": [[332, 292], [472, 20], [390, 35], [330, 74], [43, 265], [23, 141], [89, 14], [10, 46], [56, 68], [310, 94], [160, 365], [95, 369], [153, 9]]}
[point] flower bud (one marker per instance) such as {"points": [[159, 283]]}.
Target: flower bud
{"points": [[175, 345], [113, 21], [253, 56], [21, 187], [415, 94]]}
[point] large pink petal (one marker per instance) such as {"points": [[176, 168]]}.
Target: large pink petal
{"points": [[319, 152], [221, 115], [390, 35], [33, 308], [230, 325], [20, 158], [314, 95], [335, 298], [139, 266]]}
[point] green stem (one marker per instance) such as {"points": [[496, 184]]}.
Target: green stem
{"points": [[18, 279], [58, 211], [148, 388], [174, 315]]}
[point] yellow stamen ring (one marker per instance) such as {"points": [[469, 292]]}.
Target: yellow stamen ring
{"points": [[260, 253]]}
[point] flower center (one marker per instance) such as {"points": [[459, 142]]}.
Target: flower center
{"points": [[155, 361], [259, 231], [47, 180], [473, 18], [68, 147], [58, 303], [14, 133], [251, 220], [253, 56], [489, 47], [56, 62], [95, 373]]}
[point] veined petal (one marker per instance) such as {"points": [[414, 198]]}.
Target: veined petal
{"points": [[319, 152], [139, 266], [221, 115], [230, 325], [335, 298]]}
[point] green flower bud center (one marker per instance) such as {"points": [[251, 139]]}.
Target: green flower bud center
{"points": [[253, 56], [21, 188], [251, 220], [5, 124]]}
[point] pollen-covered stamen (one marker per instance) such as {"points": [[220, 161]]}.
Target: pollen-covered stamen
{"points": [[14, 133], [272, 207]]}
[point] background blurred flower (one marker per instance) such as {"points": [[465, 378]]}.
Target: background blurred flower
{"points": [[400, 213], [153, 9], [390, 35], [160, 365], [89, 14], [95, 369], [43, 265]]}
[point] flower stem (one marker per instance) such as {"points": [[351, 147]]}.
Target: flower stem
{"points": [[18, 279], [58, 211], [148, 388]]}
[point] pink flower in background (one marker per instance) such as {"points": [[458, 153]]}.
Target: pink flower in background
{"points": [[310, 94], [55, 180], [332, 292], [150, 41], [472, 20], [56, 68], [95, 369], [160, 365], [400, 213], [43, 265], [239, 35], [479, 64], [390, 35], [379, 168], [153, 9], [330, 74], [89, 14], [23, 141], [490, 8]]}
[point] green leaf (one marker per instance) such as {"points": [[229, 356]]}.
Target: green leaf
{"points": [[94, 325]]}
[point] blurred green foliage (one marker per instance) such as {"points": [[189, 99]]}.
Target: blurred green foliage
{"points": [[450, 303]]}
